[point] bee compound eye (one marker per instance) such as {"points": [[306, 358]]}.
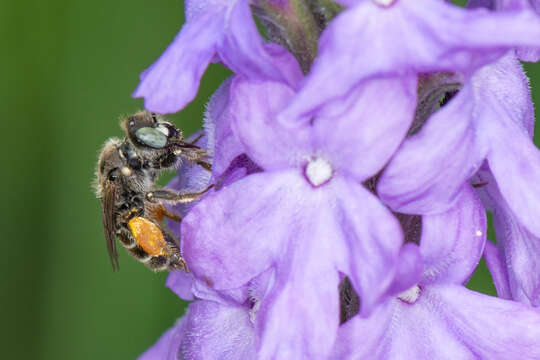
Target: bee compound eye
{"points": [[151, 137]]}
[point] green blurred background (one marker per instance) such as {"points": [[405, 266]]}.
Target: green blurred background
{"points": [[69, 68]]}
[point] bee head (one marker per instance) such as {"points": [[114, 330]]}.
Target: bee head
{"points": [[149, 130]]}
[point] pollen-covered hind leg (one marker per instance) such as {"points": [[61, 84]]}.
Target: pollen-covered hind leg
{"points": [[156, 247]]}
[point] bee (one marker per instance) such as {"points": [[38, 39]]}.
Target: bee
{"points": [[132, 208]]}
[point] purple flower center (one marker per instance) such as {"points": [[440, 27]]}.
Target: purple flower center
{"points": [[318, 171], [411, 295]]}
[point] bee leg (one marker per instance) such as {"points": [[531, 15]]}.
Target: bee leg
{"points": [[175, 197], [204, 165], [166, 161], [190, 152], [175, 259], [171, 216], [157, 213], [194, 141]]}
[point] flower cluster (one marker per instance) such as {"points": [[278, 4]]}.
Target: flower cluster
{"points": [[355, 152]]}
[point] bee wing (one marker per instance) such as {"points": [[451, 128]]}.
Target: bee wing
{"points": [[107, 214]]}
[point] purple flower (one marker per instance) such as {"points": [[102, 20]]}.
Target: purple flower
{"points": [[439, 318], [489, 119], [306, 216], [215, 30], [215, 326], [531, 54], [409, 36], [515, 262], [417, 96]]}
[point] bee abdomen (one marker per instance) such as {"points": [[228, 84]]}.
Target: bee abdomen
{"points": [[159, 262]]}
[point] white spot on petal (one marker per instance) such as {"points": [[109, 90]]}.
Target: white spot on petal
{"points": [[384, 3], [318, 171], [410, 295], [479, 233]]}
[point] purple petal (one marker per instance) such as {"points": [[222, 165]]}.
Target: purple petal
{"points": [[287, 64], [535, 4], [354, 234], [241, 47], [275, 213], [358, 337], [193, 8], [452, 243], [498, 270], [227, 248], [409, 270], [515, 162], [448, 322], [166, 347], [488, 326], [173, 80], [212, 27], [368, 40], [216, 331], [528, 54], [483, 182], [373, 237], [360, 133], [503, 87], [300, 319], [181, 284], [488, 4], [188, 288], [223, 144], [428, 171], [501, 4], [239, 167], [521, 251], [531, 54], [271, 145]]}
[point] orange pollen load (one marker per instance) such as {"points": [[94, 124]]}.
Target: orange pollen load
{"points": [[148, 235]]}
